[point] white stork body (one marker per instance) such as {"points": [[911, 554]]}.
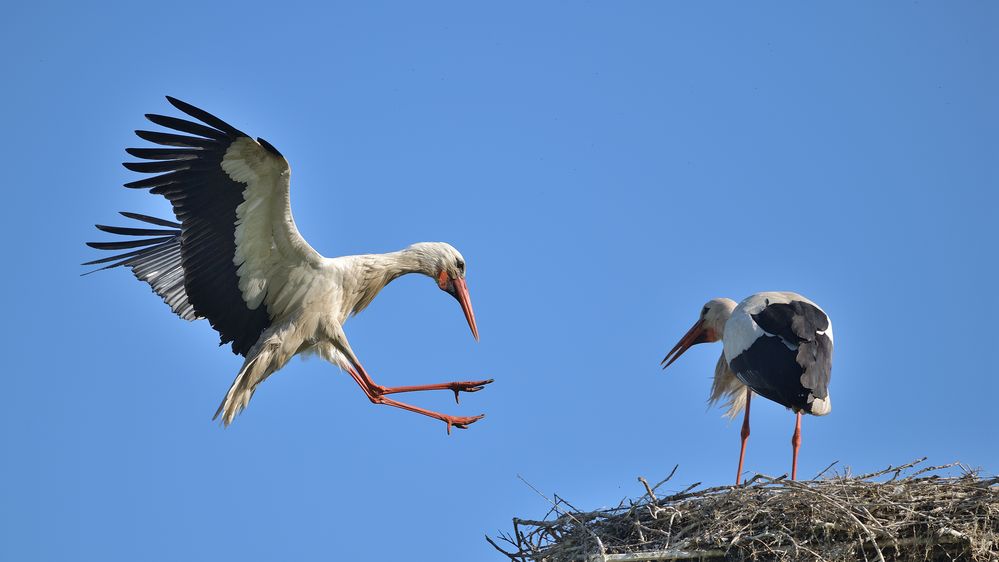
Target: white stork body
{"points": [[237, 259], [308, 312], [777, 344]]}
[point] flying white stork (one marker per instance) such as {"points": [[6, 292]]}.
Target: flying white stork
{"points": [[777, 344], [236, 258]]}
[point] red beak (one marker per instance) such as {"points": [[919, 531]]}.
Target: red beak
{"points": [[697, 334], [461, 293]]}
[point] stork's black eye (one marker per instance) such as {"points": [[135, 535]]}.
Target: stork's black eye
{"points": [[460, 264], [704, 312]]}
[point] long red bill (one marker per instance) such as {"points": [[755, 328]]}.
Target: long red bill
{"points": [[461, 293], [692, 336]]}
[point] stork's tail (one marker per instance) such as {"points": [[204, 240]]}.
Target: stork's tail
{"points": [[258, 366]]}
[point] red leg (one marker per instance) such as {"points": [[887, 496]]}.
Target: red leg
{"points": [[456, 387], [745, 436], [795, 445], [375, 394]]}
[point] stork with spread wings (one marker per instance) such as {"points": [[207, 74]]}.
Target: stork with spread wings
{"points": [[235, 257]]}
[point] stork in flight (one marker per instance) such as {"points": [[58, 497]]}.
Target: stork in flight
{"points": [[777, 344], [236, 258]]}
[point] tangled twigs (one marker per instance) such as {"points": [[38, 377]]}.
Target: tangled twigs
{"points": [[905, 512]]}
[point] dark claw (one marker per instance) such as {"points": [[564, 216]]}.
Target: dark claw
{"points": [[467, 386]]}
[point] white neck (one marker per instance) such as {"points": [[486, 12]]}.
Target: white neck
{"points": [[718, 314], [372, 272]]}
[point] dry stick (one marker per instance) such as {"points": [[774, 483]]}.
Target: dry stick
{"points": [[563, 500], [555, 506], [827, 499], [658, 555], [790, 535], [826, 469], [665, 480], [890, 469], [932, 468], [648, 490], [508, 555]]}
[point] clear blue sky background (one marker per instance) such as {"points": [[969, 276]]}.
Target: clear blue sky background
{"points": [[604, 167]]}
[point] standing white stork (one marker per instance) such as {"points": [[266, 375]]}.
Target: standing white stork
{"points": [[777, 344], [237, 259]]}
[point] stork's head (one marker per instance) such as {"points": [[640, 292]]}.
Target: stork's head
{"points": [[708, 328], [446, 265]]}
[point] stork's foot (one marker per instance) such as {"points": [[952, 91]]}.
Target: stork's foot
{"points": [[467, 386], [461, 422]]}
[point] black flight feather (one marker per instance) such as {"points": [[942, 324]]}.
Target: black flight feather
{"points": [[205, 117], [126, 231], [128, 243], [185, 126], [170, 139], [157, 166], [164, 153], [149, 219]]}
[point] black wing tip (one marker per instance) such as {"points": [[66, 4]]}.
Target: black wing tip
{"points": [[158, 119], [176, 153], [149, 219], [129, 244], [179, 104], [137, 184], [269, 147], [205, 117], [86, 273], [132, 231]]}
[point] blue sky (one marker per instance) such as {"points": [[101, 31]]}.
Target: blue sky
{"points": [[605, 168]]}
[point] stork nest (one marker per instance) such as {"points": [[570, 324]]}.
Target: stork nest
{"points": [[907, 512]]}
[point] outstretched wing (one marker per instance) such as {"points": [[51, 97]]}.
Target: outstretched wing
{"points": [[780, 345], [237, 237]]}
